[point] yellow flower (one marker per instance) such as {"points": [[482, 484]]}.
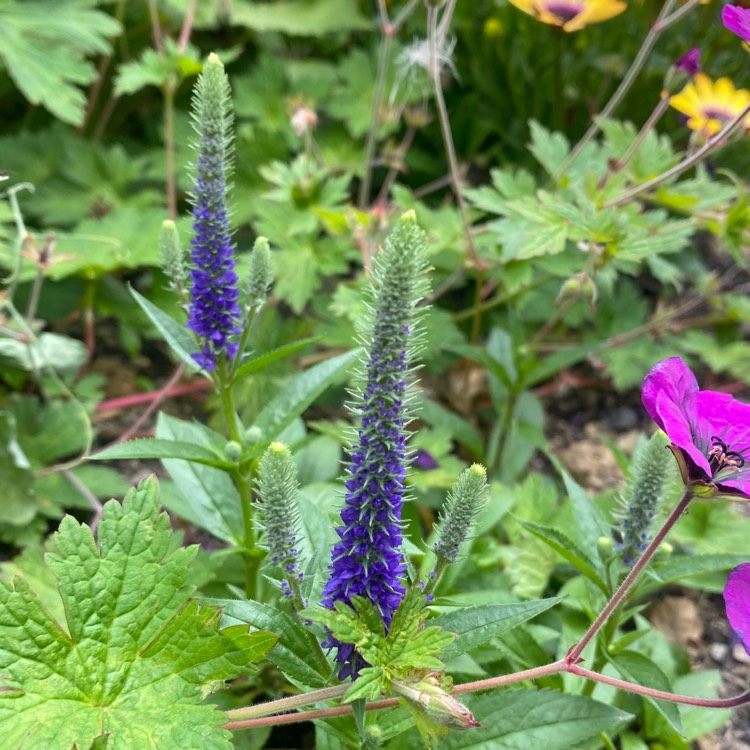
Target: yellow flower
{"points": [[710, 105], [571, 15]]}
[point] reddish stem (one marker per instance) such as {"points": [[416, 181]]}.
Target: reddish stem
{"points": [[135, 399]]}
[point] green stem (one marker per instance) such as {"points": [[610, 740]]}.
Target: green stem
{"points": [[242, 480], [169, 92], [718, 140], [655, 116], [640, 59]]}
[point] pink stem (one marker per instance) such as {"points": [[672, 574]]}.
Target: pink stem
{"points": [[738, 700], [125, 402]]}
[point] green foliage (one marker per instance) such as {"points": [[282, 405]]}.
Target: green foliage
{"points": [[47, 61], [135, 655], [407, 647]]}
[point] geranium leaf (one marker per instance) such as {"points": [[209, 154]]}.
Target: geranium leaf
{"points": [[135, 655]]}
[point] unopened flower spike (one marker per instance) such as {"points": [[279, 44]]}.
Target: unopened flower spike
{"points": [[260, 276], [465, 501], [277, 487], [368, 561], [173, 259], [214, 313], [649, 471], [709, 432]]}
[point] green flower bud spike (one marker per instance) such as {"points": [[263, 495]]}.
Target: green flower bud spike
{"points": [[279, 514], [649, 471], [465, 501], [173, 260], [260, 277]]}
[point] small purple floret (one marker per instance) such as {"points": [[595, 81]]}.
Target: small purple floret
{"points": [[690, 62], [737, 600], [709, 431], [737, 20]]}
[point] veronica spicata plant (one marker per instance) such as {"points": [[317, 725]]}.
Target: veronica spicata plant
{"points": [[214, 312], [368, 561]]}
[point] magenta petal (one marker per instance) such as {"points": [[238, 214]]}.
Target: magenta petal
{"points": [[671, 379], [737, 600], [737, 20]]}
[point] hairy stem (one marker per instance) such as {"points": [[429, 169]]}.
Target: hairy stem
{"points": [[574, 655], [711, 145], [635, 68]]}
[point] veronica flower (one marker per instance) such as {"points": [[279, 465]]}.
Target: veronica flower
{"points": [[709, 431], [737, 20], [737, 601], [368, 561], [710, 105], [213, 313], [571, 15]]}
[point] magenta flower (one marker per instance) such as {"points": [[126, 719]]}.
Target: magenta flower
{"points": [[690, 62], [737, 600], [737, 20], [709, 431]]}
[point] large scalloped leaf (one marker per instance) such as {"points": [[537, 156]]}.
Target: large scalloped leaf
{"points": [[135, 655]]}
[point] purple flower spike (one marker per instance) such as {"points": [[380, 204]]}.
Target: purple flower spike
{"points": [[709, 431], [737, 600], [737, 20], [214, 312], [690, 62]]}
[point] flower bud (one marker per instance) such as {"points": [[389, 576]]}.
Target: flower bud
{"points": [[260, 276], [253, 435], [439, 706], [233, 451], [681, 72], [172, 257], [579, 286]]}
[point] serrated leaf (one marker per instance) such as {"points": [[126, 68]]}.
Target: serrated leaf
{"points": [[210, 493], [524, 719], [637, 668], [43, 46], [257, 363], [292, 653], [477, 625], [161, 448], [420, 651], [300, 17], [297, 395], [180, 341], [19, 504], [679, 567], [567, 549], [135, 655], [368, 686], [48, 350]]}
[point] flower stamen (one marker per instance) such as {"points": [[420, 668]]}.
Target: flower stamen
{"points": [[720, 457]]}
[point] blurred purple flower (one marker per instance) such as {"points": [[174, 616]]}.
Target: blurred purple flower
{"points": [[737, 600], [709, 431], [424, 460], [690, 62], [737, 20]]}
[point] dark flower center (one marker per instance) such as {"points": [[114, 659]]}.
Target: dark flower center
{"points": [[720, 457], [717, 113], [565, 11]]}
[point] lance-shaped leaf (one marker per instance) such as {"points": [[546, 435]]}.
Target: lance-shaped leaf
{"points": [[135, 655]]}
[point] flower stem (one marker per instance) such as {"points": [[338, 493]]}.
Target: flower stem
{"points": [[662, 22], [574, 655], [738, 700], [685, 164], [242, 481], [654, 118], [433, 37]]}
